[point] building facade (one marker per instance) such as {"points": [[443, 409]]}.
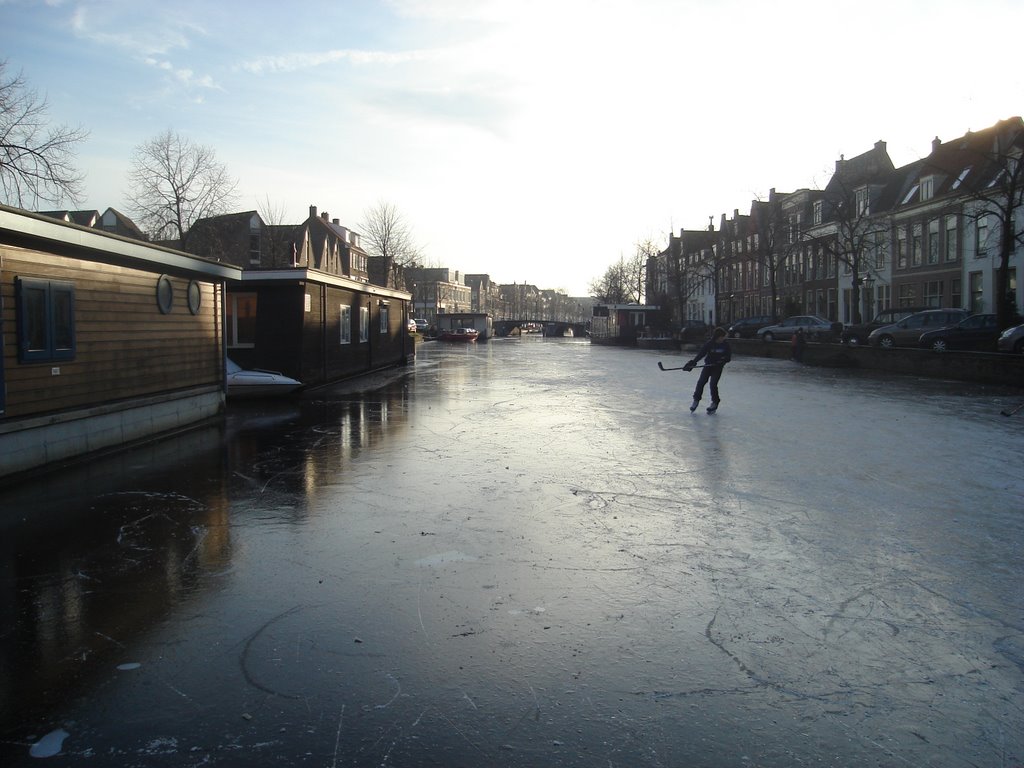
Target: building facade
{"points": [[943, 231]]}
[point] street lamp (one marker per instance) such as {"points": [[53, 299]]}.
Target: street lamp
{"points": [[869, 283]]}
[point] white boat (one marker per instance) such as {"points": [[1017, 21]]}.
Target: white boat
{"points": [[258, 383]]}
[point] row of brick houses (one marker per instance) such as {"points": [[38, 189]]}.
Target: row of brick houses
{"points": [[938, 232]]}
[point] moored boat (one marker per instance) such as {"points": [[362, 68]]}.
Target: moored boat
{"points": [[460, 334], [258, 383]]}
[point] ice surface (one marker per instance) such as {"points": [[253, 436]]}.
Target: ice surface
{"points": [[530, 553]]}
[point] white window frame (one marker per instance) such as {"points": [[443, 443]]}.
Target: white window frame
{"points": [[927, 188], [345, 323]]}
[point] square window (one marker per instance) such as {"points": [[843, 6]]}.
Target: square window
{"points": [[46, 320]]}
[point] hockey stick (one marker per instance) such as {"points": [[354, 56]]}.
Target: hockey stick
{"points": [[1007, 412], [680, 368]]}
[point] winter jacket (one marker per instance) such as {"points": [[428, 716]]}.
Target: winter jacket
{"points": [[716, 352]]}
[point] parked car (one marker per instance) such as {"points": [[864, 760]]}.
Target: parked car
{"points": [[1012, 340], [693, 331], [748, 327], [411, 326], [815, 329], [975, 332], [907, 331], [858, 334], [421, 325]]}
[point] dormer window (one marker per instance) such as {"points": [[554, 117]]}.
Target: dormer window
{"points": [[254, 240], [927, 188], [863, 202]]}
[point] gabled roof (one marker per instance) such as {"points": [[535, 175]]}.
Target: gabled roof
{"points": [[969, 162], [82, 218], [871, 167], [122, 224], [214, 236]]}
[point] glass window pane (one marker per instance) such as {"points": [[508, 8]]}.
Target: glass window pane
{"points": [[63, 321], [34, 315]]}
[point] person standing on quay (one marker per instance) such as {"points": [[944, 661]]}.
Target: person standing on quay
{"points": [[716, 352]]}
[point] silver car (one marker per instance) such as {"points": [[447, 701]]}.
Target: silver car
{"points": [[815, 328], [907, 331], [1012, 340]]}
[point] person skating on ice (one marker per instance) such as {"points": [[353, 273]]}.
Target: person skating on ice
{"points": [[716, 352]]}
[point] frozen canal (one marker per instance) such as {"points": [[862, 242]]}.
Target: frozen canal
{"points": [[530, 553]]}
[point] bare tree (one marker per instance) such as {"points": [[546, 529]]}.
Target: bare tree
{"points": [[273, 212], [636, 268], [36, 159], [859, 235], [994, 180], [610, 288], [621, 283], [388, 236], [174, 182]]}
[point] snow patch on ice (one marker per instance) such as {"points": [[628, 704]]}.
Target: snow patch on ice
{"points": [[443, 558], [50, 745], [129, 666]]}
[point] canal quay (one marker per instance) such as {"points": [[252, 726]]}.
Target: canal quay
{"points": [[530, 553]]}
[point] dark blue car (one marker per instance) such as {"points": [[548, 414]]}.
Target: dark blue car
{"points": [[978, 332]]}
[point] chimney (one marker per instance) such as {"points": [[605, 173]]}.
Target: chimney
{"points": [[880, 146], [325, 216], [312, 211], [936, 143], [335, 222]]}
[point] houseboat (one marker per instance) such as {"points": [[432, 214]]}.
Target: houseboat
{"points": [[623, 324], [108, 340]]}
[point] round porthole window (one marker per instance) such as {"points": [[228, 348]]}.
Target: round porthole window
{"points": [[164, 294], [195, 297]]}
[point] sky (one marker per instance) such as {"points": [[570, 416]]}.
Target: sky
{"points": [[537, 141]]}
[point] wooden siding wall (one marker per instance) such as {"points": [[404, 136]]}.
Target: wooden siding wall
{"points": [[125, 347], [328, 358], [325, 358]]}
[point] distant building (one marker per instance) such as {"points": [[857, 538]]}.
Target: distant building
{"points": [[111, 220], [438, 291]]}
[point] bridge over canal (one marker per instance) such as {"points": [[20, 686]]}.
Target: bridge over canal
{"points": [[545, 327]]}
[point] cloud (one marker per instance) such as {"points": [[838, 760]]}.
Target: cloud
{"points": [[140, 35], [294, 62]]}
